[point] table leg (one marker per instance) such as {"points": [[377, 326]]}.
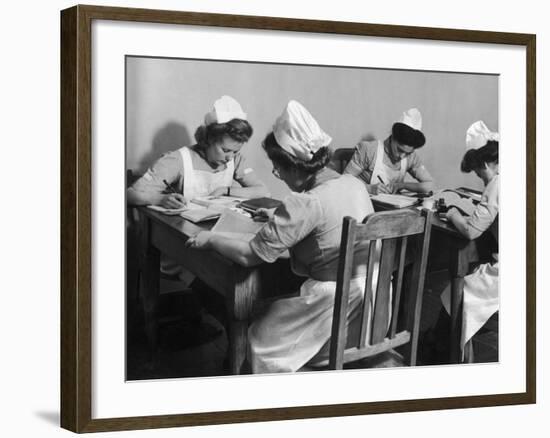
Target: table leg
{"points": [[457, 293], [238, 339], [248, 286], [459, 265], [150, 297]]}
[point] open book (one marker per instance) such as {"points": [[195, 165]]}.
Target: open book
{"points": [[395, 201], [201, 209], [468, 193], [236, 225]]}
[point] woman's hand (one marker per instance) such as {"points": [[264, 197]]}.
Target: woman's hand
{"points": [[200, 241], [173, 200], [383, 188]]}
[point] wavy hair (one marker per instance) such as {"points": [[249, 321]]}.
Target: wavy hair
{"points": [[238, 129], [288, 161]]}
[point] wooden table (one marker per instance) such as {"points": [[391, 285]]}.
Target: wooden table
{"points": [[242, 287], [460, 253]]}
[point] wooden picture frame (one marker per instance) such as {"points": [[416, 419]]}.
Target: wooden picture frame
{"points": [[76, 217]]}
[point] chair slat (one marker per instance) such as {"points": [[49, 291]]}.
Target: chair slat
{"points": [[417, 288], [341, 299], [399, 285], [382, 300], [367, 297]]}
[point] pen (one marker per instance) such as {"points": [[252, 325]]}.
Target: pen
{"points": [[380, 179], [169, 187]]}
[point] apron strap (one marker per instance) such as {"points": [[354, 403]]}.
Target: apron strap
{"points": [[188, 172], [380, 169]]}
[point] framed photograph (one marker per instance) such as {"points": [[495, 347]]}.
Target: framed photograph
{"points": [[147, 346]]}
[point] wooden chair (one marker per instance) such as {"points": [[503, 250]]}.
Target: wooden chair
{"points": [[393, 229], [341, 157]]}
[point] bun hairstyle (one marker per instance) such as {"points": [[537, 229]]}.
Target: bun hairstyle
{"points": [[406, 135], [287, 161], [476, 158], [238, 130]]}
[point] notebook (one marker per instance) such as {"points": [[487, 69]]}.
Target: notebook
{"points": [[236, 224], [254, 204], [395, 201]]}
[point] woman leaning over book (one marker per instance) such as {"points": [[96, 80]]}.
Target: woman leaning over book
{"points": [[480, 287], [206, 168]]}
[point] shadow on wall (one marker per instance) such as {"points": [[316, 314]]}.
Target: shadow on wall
{"points": [[369, 136], [170, 137]]}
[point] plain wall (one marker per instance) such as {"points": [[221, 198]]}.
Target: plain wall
{"points": [[167, 100]]}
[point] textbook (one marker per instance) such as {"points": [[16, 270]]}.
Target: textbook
{"points": [[196, 215], [236, 225], [254, 204], [395, 201]]}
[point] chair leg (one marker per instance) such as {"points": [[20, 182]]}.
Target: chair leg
{"points": [[469, 352]]}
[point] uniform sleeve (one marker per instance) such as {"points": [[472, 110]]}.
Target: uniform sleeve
{"points": [[415, 165], [487, 209], [169, 167], [294, 220], [242, 168], [361, 164]]}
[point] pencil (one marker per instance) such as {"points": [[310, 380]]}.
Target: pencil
{"points": [[380, 179], [169, 187]]}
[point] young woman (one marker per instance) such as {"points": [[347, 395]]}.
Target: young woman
{"points": [[382, 165], [309, 224], [207, 168], [480, 287]]}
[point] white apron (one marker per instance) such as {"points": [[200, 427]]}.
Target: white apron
{"points": [[294, 330], [196, 183], [480, 299], [386, 173]]}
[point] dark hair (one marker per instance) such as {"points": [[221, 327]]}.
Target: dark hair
{"points": [[238, 129], [287, 161], [476, 158], [406, 135]]}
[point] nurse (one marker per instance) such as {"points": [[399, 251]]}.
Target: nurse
{"points": [[207, 168], [308, 224], [480, 287], [382, 165]]}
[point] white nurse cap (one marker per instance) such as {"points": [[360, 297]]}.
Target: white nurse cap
{"points": [[478, 135], [225, 109], [412, 118], [298, 133]]}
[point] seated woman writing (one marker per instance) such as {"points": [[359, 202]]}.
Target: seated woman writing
{"points": [[206, 168], [481, 287], [382, 166], [294, 329]]}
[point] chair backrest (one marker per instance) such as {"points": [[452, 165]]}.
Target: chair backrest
{"points": [[377, 333], [341, 158]]}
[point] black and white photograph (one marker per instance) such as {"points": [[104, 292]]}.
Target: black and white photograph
{"points": [[296, 218], [245, 219]]}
